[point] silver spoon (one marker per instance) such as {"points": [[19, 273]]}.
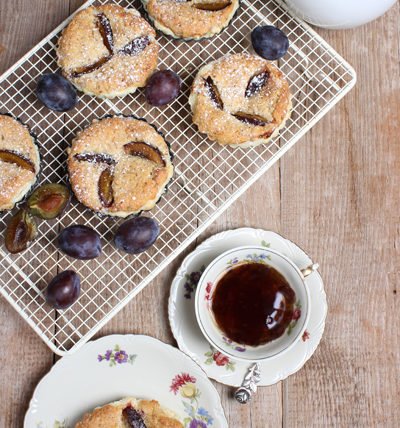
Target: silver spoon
{"points": [[249, 385]]}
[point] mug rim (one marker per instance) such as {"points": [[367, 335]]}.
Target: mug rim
{"points": [[201, 285]]}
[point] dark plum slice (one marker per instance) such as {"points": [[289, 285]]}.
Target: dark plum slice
{"points": [[133, 418], [106, 176], [80, 242], [145, 151], [92, 67], [256, 83], [250, 119], [20, 231], [213, 7], [163, 87], [49, 200], [63, 290], [268, 133], [213, 93], [137, 235], [105, 188], [104, 26], [136, 46], [95, 158], [12, 157]]}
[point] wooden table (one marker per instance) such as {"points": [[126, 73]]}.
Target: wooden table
{"points": [[336, 194]]}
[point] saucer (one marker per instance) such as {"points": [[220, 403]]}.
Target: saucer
{"points": [[182, 317]]}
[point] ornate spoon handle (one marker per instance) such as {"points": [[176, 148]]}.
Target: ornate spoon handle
{"points": [[249, 385]]}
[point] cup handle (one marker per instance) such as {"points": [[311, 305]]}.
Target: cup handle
{"points": [[309, 269]]}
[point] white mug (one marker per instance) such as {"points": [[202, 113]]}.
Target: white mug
{"points": [[339, 14]]}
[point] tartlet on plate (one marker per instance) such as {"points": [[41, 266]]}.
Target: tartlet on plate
{"points": [[119, 166], [144, 413], [240, 100], [19, 161], [191, 19], [108, 51]]}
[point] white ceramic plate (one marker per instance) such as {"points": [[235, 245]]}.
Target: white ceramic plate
{"points": [[187, 333], [118, 366]]}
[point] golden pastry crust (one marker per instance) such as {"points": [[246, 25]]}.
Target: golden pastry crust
{"points": [[137, 182], [253, 102], [106, 33], [184, 19], [111, 415], [16, 180]]}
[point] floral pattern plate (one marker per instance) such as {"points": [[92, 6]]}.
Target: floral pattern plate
{"points": [[187, 333], [119, 366]]}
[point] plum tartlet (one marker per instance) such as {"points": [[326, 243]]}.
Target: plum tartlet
{"points": [[130, 412], [191, 19], [19, 161], [108, 51], [119, 166], [240, 100]]}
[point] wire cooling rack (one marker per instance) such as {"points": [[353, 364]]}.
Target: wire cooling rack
{"points": [[207, 180]]}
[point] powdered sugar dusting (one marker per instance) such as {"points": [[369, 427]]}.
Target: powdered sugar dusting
{"points": [[135, 46], [256, 83]]}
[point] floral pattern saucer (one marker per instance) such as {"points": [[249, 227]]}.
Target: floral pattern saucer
{"points": [[119, 366], [182, 318]]}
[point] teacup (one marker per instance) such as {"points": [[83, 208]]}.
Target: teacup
{"points": [[252, 254]]}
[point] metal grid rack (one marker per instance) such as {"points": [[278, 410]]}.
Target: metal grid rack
{"points": [[208, 178]]}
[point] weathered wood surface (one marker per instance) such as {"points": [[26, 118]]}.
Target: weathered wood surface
{"points": [[336, 194]]}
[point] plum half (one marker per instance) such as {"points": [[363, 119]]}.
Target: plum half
{"points": [[20, 231], [49, 200]]}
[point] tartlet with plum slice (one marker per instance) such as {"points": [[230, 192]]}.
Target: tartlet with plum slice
{"points": [[131, 413], [191, 19], [19, 161], [108, 51], [119, 166], [240, 100]]}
